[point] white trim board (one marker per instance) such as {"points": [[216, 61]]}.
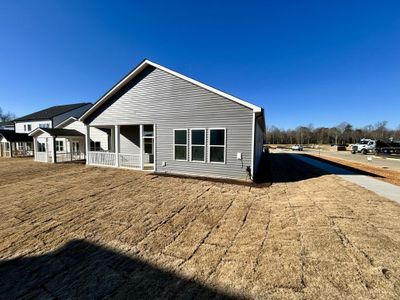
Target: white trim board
{"points": [[146, 63]]}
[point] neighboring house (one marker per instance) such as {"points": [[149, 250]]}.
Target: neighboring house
{"points": [[163, 121], [15, 144], [49, 117], [46, 119], [67, 140], [7, 125]]}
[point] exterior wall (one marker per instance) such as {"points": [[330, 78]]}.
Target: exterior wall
{"points": [[96, 135], [19, 127], [130, 140], [72, 113], [157, 97], [258, 146]]}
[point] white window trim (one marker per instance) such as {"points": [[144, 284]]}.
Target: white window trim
{"points": [[209, 146], [58, 145], [187, 143], [204, 145]]}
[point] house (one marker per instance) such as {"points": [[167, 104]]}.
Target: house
{"points": [[7, 125], [49, 117], [46, 118], [162, 121], [14, 144], [67, 141]]}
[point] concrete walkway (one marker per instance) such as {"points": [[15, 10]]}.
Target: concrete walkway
{"points": [[379, 187]]}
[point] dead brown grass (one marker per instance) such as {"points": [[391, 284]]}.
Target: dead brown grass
{"points": [[321, 237], [390, 176]]}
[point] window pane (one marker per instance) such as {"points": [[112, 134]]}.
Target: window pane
{"points": [[217, 137], [180, 137], [148, 130], [180, 152], [198, 153], [198, 137], [217, 154]]}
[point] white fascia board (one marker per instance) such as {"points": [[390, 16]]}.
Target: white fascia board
{"points": [[65, 122], [150, 63], [37, 130]]}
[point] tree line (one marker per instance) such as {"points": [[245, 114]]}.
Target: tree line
{"points": [[343, 133]]}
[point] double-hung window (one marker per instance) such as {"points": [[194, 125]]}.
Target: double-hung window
{"points": [[180, 144], [59, 145], [217, 145], [198, 145]]}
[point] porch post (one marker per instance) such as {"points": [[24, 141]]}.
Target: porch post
{"points": [[54, 158], [117, 137], [141, 146], [87, 143], [70, 148], [34, 147]]}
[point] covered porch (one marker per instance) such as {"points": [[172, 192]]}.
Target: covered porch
{"points": [[54, 145], [130, 146], [15, 144]]}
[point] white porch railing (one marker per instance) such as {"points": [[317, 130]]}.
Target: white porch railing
{"points": [[129, 160], [41, 156], [68, 156], [101, 158]]}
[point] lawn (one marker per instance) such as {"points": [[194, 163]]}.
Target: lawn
{"points": [[70, 230]]}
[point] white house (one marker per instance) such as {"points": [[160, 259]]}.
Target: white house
{"points": [[67, 140]]}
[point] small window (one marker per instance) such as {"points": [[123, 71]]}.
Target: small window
{"points": [[148, 130], [217, 145], [95, 146], [41, 147], [29, 127], [44, 125], [59, 145], [198, 145], [180, 144], [24, 127]]}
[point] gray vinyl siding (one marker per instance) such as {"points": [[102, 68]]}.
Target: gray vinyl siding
{"points": [[259, 145], [72, 113], [160, 98], [129, 140]]}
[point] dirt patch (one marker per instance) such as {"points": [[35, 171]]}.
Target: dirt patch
{"points": [[71, 230], [390, 176]]}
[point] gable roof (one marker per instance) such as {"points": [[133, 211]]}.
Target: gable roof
{"points": [[11, 136], [66, 122], [146, 63], [56, 132], [51, 112]]}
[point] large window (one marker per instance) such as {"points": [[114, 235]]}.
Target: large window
{"points": [[44, 125], [59, 145], [217, 146], [198, 145], [95, 146], [180, 144]]}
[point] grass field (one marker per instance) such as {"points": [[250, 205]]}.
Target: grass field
{"points": [[70, 230]]}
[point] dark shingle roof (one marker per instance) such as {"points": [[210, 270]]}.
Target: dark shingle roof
{"points": [[11, 136], [6, 123], [50, 112], [62, 132]]}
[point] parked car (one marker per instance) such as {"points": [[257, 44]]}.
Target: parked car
{"points": [[297, 147]]}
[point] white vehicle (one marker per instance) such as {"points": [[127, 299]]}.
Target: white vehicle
{"points": [[297, 148], [364, 146]]}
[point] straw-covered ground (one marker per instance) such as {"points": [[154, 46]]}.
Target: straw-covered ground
{"points": [[71, 230]]}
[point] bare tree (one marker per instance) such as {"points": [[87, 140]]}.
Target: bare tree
{"points": [[4, 117]]}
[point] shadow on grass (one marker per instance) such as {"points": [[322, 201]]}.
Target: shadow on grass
{"points": [[81, 269]]}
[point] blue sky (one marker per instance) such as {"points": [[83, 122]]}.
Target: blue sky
{"points": [[319, 62]]}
